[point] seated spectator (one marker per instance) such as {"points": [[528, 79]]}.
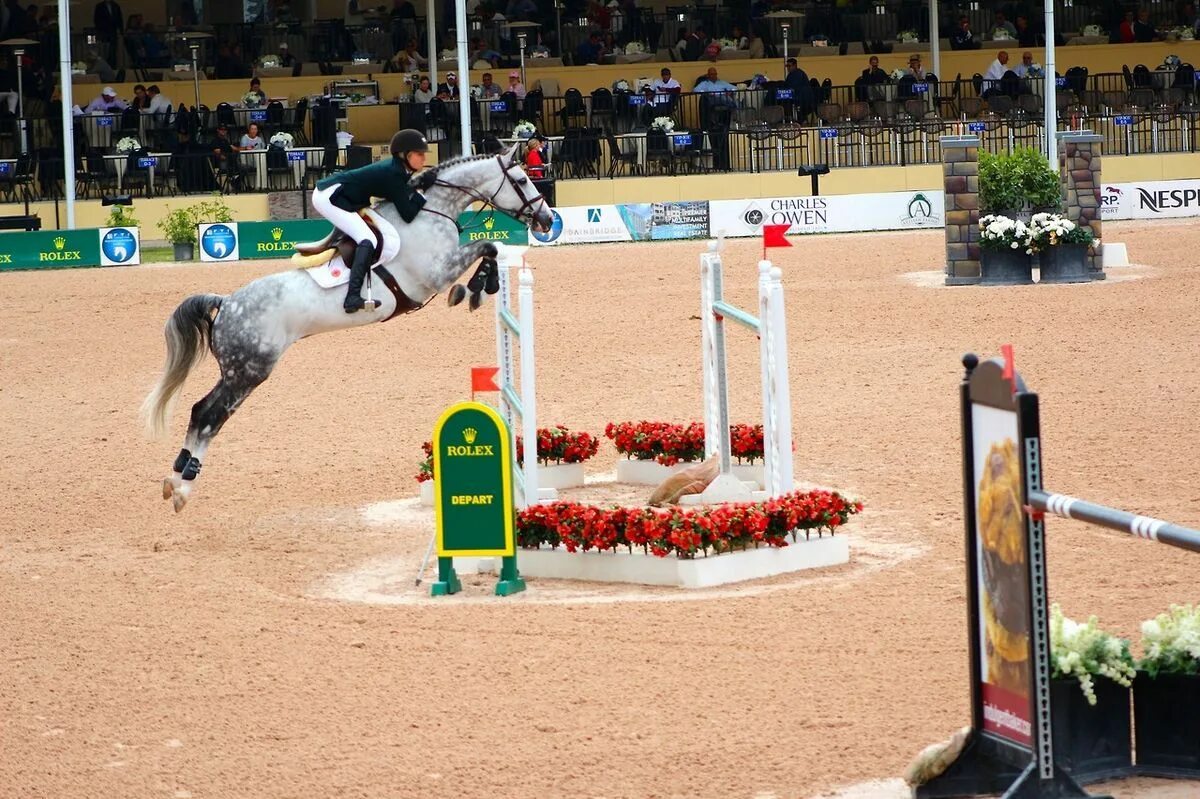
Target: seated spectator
{"points": [[664, 86], [424, 91], [515, 86], [449, 90], [1143, 28], [252, 139], [589, 51], [873, 74], [1126, 29], [694, 44], [140, 101], [408, 59], [722, 92], [489, 89], [286, 59], [740, 41], [995, 73], [1022, 69], [915, 70], [256, 88], [1003, 24], [481, 52], [106, 103], [224, 151], [159, 103], [534, 164], [1026, 37], [757, 48], [962, 38]]}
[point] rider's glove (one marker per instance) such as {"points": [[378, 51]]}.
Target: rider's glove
{"points": [[425, 180]]}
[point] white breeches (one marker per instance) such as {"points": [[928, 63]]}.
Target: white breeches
{"points": [[348, 222]]}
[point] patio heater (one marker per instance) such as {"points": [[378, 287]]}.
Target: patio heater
{"points": [[558, 26], [785, 26], [522, 40], [192, 40], [19, 46]]}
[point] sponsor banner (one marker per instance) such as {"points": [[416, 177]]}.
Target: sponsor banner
{"points": [[848, 213], [679, 220], [586, 225], [119, 246], [491, 226], [1158, 199], [218, 241], [54, 249], [274, 239]]}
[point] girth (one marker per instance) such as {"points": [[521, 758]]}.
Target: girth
{"points": [[404, 303]]}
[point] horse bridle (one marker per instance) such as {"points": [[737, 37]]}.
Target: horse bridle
{"points": [[526, 213]]}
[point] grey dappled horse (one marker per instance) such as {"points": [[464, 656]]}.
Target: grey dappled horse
{"points": [[251, 328]]}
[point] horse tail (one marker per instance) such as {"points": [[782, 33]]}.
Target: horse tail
{"points": [[188, 333]]}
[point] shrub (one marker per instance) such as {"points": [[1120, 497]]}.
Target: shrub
{"points": [[179, 225], [1012, 181]]}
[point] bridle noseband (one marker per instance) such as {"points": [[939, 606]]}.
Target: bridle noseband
{"points": [[526, 213]]}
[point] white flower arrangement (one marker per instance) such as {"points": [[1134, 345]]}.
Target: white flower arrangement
{"points": [[621, 86], [128, 145], [1182, 33], [269, 62], [908, 37], [897, 74], [1092, 30], [1084, 650], [523, 129], [1035, 71], [282, 139], [1171, 642], [728, 44], [251, 100], [1001, 35], [665, 124], [635, 48], [79, 68], [997, 232]]}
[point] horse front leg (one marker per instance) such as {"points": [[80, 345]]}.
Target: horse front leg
{"points": [[486, 277]]}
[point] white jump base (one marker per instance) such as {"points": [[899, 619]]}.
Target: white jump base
{"points": [[652, 473], [1114, 254], [642, 569]]}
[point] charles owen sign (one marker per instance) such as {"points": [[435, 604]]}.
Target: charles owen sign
{"points": [[833, 214]]}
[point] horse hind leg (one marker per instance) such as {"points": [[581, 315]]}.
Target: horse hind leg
{"points": [[208, 416]]}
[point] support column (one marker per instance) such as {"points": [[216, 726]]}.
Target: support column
{"points": [[1079, 154], [960, 178]]}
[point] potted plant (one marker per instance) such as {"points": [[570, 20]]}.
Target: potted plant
{"points": [[121, 216], [1062, 247], [1089, 699], [1004, 247], [179, 224], [1166, 695]]}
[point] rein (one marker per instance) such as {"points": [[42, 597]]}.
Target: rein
{"points": [[523, 214]]}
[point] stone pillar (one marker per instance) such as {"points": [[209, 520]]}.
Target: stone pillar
{"points": [[1079, 156], [960, 179]]}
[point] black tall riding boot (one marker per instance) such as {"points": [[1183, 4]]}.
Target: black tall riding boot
{"points": [[358, 271]]}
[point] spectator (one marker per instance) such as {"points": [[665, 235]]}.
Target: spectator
{"points": [[873, 74], [995, 73], [1026, 37], [534, 165], [108, 21], [141, 101], [489, 89], [224, 152], [286, 59], [1022, 69], [589, 51], [1126, 29], [450, 90], [1143, 28], [757, 47], [695, 44], [1002, 24], [797, 80], [106, 103], [915, 69], [740, 41], [159, 103], [252, 139], [665, 87], [515, 86], [963, 38], [711, 83], [424, 91], [256, 89], [481, 53], [408, 59]]}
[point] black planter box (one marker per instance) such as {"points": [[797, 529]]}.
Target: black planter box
{"points": [[1005, 267], [1091, 743], [1065, 263], [1167, 717]]}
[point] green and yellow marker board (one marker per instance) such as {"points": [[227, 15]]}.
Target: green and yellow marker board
{"points": [[473, 495]]}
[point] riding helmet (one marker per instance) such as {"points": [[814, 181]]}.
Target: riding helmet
{"points": [[409, 141]]}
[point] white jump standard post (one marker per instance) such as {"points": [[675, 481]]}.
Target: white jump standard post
{"points": [[770, 326], [513, 333]]}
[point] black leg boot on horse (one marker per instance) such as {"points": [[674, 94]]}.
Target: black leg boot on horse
{"points": [[358, 272]]}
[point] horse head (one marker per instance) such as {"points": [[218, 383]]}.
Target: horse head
{"points": [[498, 180]]}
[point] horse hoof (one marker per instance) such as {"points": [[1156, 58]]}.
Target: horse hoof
{"points": [[179, 500], [168, 487], [476, 300], [457, 294]]}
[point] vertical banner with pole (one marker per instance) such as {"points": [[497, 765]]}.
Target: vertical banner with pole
{"points": [[464, 75], [1050, 92], [68, 101]]}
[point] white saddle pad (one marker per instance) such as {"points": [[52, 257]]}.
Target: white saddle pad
{"points": [[334, 272]]}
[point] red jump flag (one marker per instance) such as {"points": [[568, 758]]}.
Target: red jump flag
{"points": [[483, 378], [1010, 370], [773, 236]]}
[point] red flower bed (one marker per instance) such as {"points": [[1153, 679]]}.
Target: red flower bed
{"points": [[684, 532], [669, 443], [557, 444]]}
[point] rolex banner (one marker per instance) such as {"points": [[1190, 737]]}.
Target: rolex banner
{"points": [[278, 239], [491, 226], [49, 249]]}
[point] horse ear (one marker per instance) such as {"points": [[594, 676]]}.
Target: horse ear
{"points": [[510, 155]]}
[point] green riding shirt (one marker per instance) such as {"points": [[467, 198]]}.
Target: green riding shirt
{"points": [[386, 179]]}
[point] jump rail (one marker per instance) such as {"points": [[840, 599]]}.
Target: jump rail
{"points": [[1152, 529], [770, 327]]}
